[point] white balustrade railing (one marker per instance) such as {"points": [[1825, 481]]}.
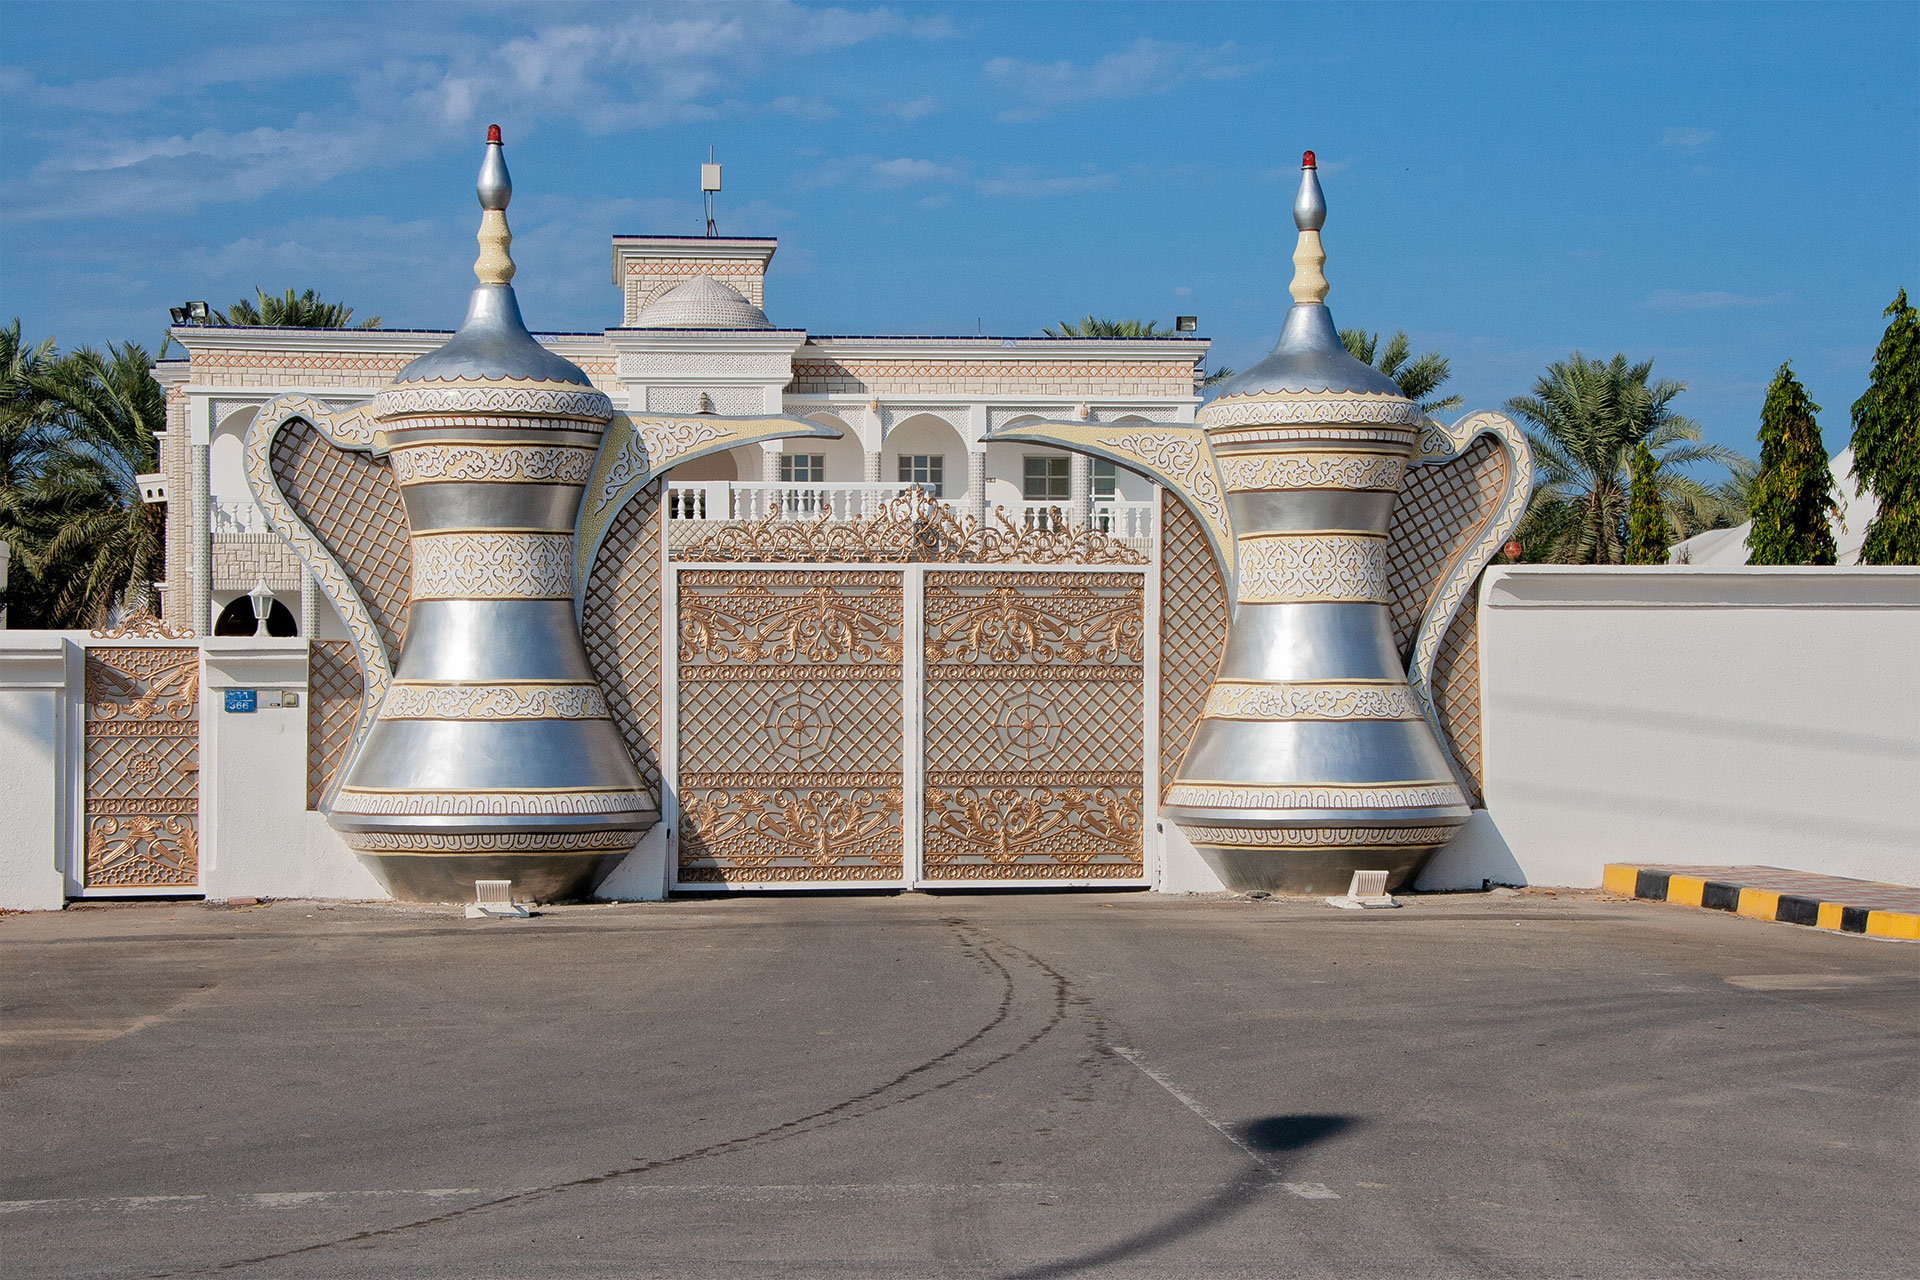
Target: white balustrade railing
{"points": [[237, 517], [700, 500], [855, 500], [759, 500], [1121, 519], [1047, 516]]}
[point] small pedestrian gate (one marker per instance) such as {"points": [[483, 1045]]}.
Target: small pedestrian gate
{"points": [[140, 802], [919, 724]]}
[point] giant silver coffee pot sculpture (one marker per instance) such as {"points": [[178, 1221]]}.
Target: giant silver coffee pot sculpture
{"points": [[492, 754], [1314, 756]]}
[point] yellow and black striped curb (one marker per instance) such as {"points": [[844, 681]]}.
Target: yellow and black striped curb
{"points": [[1823, 907]]}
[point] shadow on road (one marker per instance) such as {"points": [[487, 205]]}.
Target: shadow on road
{"points": [[1276, 1138]]}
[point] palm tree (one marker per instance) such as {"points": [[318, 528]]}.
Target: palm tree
{"points": [[291, 311], [25, 433], [1417, 378], [1587, 417], [91, 543], [1092, 326]]}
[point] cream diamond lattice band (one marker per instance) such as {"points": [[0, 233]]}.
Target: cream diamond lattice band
{"points": [[1265, 437], [1280, 408], [491, 463], [1309, 700], [1314, 471], [554, 400], [1297, 568], [520, 700], [493, 566]]}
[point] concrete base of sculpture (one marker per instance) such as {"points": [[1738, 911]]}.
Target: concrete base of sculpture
{"points": [[1313, 871], [537, 877]]}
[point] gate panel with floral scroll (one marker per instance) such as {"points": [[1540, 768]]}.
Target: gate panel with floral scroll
{"points": [[791, 748], [142, 789], [1034, 712]]}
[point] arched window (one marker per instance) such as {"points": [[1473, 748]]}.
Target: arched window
{"points": [[237, 619]]}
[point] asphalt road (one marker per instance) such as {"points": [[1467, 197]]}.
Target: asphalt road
{"points": [[1014, 1086]]}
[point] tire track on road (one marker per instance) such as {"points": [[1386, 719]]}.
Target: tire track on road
{"points": [[975, 944]]}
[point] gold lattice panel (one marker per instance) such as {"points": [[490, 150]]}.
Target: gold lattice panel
{"points": [[790, 738], [142, 789], [1442, 508], [351, 503], [334, 690], [1033, 741], [620, 622], [1456, 693], [1193, 630]]}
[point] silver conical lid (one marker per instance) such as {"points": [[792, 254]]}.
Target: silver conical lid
{"points": [[492, 344], [1308, 358]]}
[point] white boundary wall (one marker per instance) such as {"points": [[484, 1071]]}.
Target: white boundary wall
{"points": [[1695, 715], [1682, 714]]}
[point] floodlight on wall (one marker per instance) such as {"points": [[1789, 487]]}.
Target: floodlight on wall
{"points": [[262, 597], [199, 313], [1186, 324], [177, 314]]}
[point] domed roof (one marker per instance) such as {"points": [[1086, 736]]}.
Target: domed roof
{"points": [[1309, 358], [701, 303]]}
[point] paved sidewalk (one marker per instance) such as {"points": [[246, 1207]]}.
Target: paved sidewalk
{"points": [[1018, 1085], [1774, 893]]}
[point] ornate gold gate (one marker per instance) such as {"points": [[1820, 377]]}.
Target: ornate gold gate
{"points": [[790, 737], [1034, 726], [141, 802], [829, 734]]}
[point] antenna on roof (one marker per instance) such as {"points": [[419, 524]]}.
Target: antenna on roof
{"points": [[710, 183]]}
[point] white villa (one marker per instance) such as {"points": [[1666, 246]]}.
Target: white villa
{"points": [[693, 337]]}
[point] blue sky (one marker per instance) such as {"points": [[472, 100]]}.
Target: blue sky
{"points": [[1719, 187]]}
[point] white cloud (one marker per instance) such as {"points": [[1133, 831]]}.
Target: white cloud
{"points": [[1144, 67], [812, 109], [1709, 300], [1026, 183], [913, 109], [872, 171], [1182, 291], [902, 171], [1688, 138], [378, 96]]}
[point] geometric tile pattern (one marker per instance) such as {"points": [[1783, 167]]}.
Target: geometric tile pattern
{"points": [[141, 804], [1456, 695], [1442, 509], [1193, 630], [620, 621], [334, 690], [791, 749], [351, 503], [1033, 740]]}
